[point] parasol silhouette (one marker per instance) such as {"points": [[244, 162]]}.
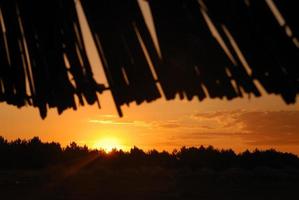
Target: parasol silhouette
{"points": [[207, 49]]}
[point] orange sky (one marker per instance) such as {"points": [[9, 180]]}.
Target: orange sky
{"points": [[239, 124], [264, 123]]}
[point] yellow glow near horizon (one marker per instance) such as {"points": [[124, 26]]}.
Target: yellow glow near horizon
{"points": [[108, 144]]}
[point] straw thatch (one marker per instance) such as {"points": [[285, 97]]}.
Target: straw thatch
{"points": [[207, 48]]}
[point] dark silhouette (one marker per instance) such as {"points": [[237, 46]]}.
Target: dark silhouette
{"points": [[41, 46], [34, 154], [31, 169]]}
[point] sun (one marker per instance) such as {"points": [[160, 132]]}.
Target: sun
{"points": [[108, 144]]}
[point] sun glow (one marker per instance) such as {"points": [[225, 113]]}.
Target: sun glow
{"points": [[108, 144]]}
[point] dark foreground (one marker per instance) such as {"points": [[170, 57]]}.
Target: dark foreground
{"points": [[32, 170], [149, 183]]}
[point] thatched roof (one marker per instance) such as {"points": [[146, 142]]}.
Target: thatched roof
{"points": [[207, 48]]}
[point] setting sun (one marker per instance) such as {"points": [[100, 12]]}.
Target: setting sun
{"points": [[108, 144]]}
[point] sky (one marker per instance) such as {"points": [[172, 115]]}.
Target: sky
{"points": [[240, 124]]}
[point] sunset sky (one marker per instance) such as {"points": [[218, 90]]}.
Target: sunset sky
{"points": [[265, 122]]}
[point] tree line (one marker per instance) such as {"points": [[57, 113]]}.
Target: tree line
{"points": [[35, 154]]}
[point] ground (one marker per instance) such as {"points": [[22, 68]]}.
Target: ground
{"points": [[100, 182]]}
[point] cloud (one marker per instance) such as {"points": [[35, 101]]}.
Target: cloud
{"points": [[254, 127], [109, 116], [110, 122], [114, 120], [167, 124], [251, 127], [276, 127], [286, 122], [121, 123], [221, 119]]}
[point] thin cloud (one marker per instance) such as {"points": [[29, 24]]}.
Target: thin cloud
{"points": [[254, 127], [168, 124], [109, 122], [121, 123], [109, 116]]}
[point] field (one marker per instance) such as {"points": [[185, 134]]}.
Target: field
{"points": [[96, 182], [32, 170]]}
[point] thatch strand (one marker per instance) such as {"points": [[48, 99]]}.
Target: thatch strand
{"points": [[269, 51], [126, 67], [12, 63], [209, 48], [289, 10], [42, 37]]}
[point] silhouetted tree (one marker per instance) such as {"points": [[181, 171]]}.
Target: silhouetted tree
{"points": [[34, 154]]}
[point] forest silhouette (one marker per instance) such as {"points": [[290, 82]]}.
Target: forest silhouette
{"points": [[34, 154], [32, 169]]}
